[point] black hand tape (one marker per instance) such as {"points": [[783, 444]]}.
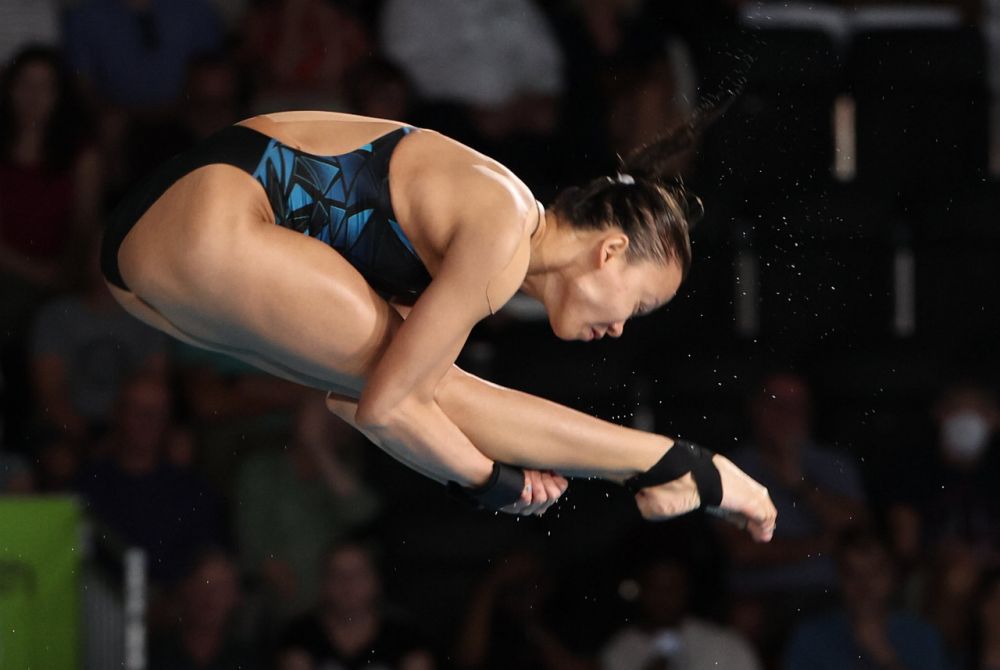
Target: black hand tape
{"points": [[504, 487], [680, 459]]}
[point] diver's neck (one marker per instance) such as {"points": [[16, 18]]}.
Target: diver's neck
{"points": [[545, 252], [556, 253]]}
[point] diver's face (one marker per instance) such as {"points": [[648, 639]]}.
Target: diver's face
{"points": [[600, 299]]}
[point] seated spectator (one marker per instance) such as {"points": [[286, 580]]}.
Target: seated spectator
{"points": [[948, 591], [24, 22], [59, 457], [492, 52], [943, 505], [83, 346], [292, 503], [982, 651], [867, 631], [627, 81], [665, 634], [205, 635], [817, 492], [302, 53], [134, 54], [951, 496], [222, 391], [15, 474], [233, 407], [168, 511], [50, 184], [214, 96], [352, 627], [509, 621]]}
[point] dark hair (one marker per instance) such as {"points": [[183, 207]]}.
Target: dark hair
{"points": [[647, 198], [861, 538], [657, 218], [68, 125], [204, 554], [362, 538]]}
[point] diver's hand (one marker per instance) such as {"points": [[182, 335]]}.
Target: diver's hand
{"points": [[542, 488]]}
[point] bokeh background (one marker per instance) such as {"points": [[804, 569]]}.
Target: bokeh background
{"points": [[837, 339]]}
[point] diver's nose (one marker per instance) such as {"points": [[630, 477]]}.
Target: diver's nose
{"points": [[616, 328]]}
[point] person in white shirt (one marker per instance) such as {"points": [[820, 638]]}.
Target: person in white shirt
{"points": [[666, 636]]}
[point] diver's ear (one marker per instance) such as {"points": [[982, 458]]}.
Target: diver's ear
{"points": [[613, 245]]}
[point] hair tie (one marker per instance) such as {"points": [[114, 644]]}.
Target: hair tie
{"points": [[623, 178]]}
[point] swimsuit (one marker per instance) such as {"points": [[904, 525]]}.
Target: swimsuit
{"points": [[341, 200]]}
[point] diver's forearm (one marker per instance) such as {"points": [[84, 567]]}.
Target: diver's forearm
{"points": [[521, 429], [422, 436]]}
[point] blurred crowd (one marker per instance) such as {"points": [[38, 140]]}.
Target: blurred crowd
{"points": [[278, 538]]}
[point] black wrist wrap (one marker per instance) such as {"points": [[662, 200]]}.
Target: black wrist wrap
{"points": [[680, 459], [504, 487]]}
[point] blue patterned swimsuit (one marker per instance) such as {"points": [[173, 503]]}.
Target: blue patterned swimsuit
{"points": [[341, 200]]}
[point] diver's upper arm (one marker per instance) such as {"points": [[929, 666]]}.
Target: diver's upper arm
{"points": [[475, 275]]}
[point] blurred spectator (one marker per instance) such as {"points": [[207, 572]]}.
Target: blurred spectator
{"points": [[867, 632], [647, 99], [221, 389], [233, 407], [817, 493], [943, 509], [301, 52], [58, 459], [292, 504], [83, 346], [951, 496], [167, 511], [352, 627], [492, 80], [214, 96], [983, 649], [231, 12], [15, 475], [50, 183], [666, 635], [492, 52], [24, 22], [206, 635], [381, 89], [134, 53], [509, 624], [626, 81], [948, 591]]}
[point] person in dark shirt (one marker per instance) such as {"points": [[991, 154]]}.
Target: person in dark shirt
{"points": [[868, 631], [515, 618], [352, 627], [206, 636], [168, 511]]}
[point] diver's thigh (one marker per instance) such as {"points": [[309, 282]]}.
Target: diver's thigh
{"points": [[296, 301], [252, 286], [149, 315]]}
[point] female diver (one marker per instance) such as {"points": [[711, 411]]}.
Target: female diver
{"points": [[374, 216]]}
